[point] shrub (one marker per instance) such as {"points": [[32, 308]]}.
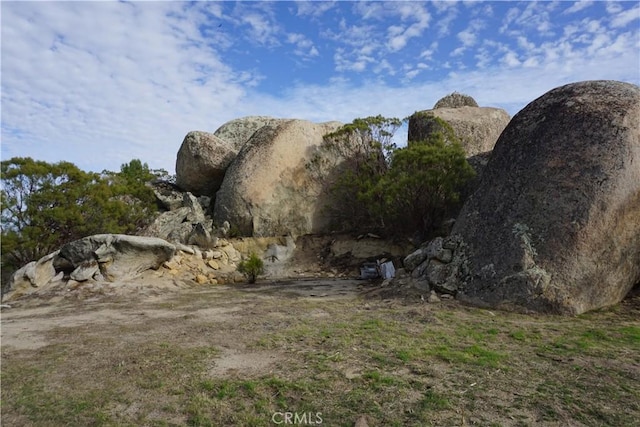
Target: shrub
{"points": [[423, 185], [348, 166], [251, 268]]}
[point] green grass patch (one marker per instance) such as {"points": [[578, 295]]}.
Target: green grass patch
{"points": [[397, 363]]}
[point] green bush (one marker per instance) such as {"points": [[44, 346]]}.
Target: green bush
{"points": [[251, 268], [423, 185], [374, 186], [348, 166]]}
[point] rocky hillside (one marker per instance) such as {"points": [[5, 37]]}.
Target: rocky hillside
{"points": [[551, 223]]}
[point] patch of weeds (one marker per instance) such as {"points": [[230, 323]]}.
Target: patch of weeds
{"points": [[629, 334], [518, 335], [377, 380], [381, 358], [43, 406], [405, 355], [433, 401], [474, 355]]}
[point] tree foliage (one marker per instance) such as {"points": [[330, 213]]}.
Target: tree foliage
{"points": [[373, 185], [423, 185], [44, 205], [349, 164]]}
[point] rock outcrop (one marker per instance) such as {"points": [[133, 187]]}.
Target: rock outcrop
{"points": [[102, 257], [238, 131], [186, 222], [202, 161], [115, 256], [267, 190], [555, 223], [455, 100], [204, 157], [477, 128]]}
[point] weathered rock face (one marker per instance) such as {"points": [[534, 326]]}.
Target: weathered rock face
{"points": [[237, 132], [477, 128], [102, 257], [455, 100], [202, 161], [115, 256], [267, 190], [184, 224], [555, 223], [168, 195]]}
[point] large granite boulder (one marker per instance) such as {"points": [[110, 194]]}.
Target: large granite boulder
{"points": [[477, 128], [238, 131], [204, 157], [201, 163], [267, 190], [555, 223]]}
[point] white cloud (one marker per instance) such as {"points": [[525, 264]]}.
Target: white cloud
{"points": [[357, 64], [624, 18], [510, 59], [400, 36], [578, 6], [304, 47], [314, 8], [109, 77], [483, 58], [261, 30], [535, 16], [116, 81], [427, 54], [384, 66], [370, 9], [444, 23], [525, 44], [469, 36], [613, 6]]}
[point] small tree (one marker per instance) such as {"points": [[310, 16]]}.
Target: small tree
{"points": [[251, 267], [348, 166], [423, 185]]}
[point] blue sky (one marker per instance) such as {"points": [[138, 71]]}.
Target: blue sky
{"points": [[101, 83]]}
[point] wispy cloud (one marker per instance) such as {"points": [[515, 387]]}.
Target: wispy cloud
{"points": [[305, 48], [408, 12], [578, 6], [623, 18], [314, 9], [100, 78], [100, 83]]}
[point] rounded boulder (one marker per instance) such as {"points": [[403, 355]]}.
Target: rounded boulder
{"points": [[268, 190], [202, 161], [555, 223]]}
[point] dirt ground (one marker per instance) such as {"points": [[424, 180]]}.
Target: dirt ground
{"points": [[26, 324], [317, 348]]}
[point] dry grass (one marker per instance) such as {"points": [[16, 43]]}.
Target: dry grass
{"points": [[236, 356]]}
